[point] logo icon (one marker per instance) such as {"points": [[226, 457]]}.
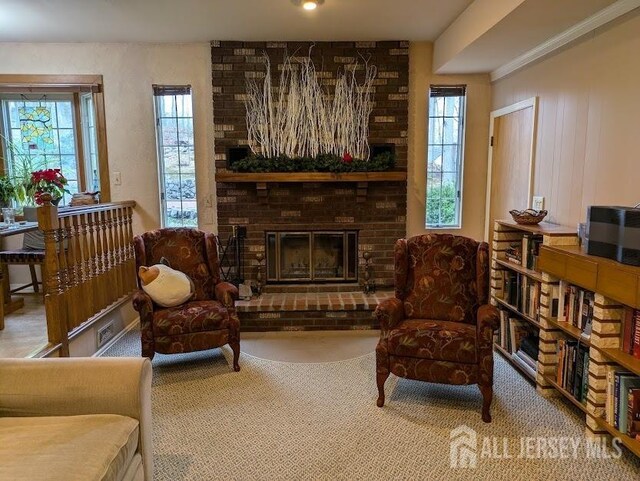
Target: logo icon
{"points": [[463, 447]]}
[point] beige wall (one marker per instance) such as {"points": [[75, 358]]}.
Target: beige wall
{"points": [[588, 143], [476, 142], [129, 70]]}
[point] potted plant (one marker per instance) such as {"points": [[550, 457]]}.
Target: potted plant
{"points": [[48, 181], [23, 164], [44, 181], [7, 192]]}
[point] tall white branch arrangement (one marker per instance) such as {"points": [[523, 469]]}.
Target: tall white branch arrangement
{"points": [[300, 118]]}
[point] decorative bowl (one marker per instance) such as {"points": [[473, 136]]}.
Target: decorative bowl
{"points": [[528, 216]]}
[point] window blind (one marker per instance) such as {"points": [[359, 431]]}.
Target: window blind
{"points": [[447, 90], [162, 90]]}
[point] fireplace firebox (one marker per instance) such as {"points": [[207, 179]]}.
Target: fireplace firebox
{"points": [[312, 256]]}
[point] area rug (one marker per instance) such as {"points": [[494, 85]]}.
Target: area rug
{"points": [[295, 421]]}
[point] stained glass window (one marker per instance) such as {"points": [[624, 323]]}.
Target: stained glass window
{"points": [[41, 135]]}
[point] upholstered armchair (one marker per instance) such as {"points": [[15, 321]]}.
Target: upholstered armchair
{"points": [[209, 319], [439, 326]]}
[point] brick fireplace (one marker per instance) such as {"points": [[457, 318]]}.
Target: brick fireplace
{"points": [[363, 212]]}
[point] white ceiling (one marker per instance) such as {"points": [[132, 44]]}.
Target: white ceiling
{"points": [[528, 25], [204, 20], [482, 39]]}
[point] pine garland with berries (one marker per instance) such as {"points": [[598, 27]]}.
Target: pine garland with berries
{"points": [[320, 163]]}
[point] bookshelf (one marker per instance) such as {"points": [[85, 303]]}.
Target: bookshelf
{"points": [[514, 310], [535, 275], [570, 397], [616, 286], [520, 367], [508, 235]]}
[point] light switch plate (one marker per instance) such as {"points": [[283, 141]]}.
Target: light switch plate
{"points": [[538, 203], [117, 178]]}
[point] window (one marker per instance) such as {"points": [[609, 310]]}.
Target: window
{"points": [[176, 160], [444, 156], [90, 143], [46, 131]]}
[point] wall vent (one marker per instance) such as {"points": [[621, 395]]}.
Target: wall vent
{"points": [[105, 333]]}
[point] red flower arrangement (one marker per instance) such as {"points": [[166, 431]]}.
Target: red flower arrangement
{"points": [[48, 181], [347, 158]]}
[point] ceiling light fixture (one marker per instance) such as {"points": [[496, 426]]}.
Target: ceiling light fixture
{"points": [[308, 4]]}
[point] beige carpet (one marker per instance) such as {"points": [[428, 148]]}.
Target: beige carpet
{"points": [[318, 421], [310, 346]]}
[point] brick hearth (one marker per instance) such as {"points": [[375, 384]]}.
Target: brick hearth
{"points": [[289, 311]]}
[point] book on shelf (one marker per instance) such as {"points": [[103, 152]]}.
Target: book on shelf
{"points": [[576, 307], [518, 337], [633, 412], [504, 331], [531, 250], [527, 359], [573, 368], [630, 332], [625, 383], [619, 384], [554, 299], [518, 330], [513, 253], [522, 293], [524, 365], [529, 345]]}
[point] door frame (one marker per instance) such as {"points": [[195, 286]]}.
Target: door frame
{"points": [[524, 104]]}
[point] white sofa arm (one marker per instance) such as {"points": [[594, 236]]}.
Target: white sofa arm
{"points": [[72, 386]]}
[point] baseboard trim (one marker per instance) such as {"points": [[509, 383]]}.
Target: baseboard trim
{"points": [[132, 325]]}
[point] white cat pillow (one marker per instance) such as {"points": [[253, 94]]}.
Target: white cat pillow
{"points": [[166, 286]]}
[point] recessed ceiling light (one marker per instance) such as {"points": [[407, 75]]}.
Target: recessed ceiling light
{"points": [[308, 4]]}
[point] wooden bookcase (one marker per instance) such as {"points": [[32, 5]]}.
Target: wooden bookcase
{"points": [[505, 233], [615, 285]]}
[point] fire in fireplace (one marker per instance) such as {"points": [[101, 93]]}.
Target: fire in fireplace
{"points": [[310, 256]]}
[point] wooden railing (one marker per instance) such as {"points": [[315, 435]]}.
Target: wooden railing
{"points": [[89, 263]]}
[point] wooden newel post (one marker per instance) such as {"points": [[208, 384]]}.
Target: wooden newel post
{"points": [[56, 320]]}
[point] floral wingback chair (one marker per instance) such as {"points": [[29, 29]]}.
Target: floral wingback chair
{"points": [[209, 319], [439, 326]]}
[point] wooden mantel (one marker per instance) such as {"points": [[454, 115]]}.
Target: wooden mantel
{"points": [[262, 179]]}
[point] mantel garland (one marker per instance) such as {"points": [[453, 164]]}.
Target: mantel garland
{"points": [[320, 163]]}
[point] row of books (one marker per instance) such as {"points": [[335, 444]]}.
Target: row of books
{"points": [[525, 252], [622, 405], [575, 306], [630, 332], [573, 368], [522, 293], [519, 339]]}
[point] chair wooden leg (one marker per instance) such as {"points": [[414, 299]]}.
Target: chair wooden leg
{"points": [[148, 353], [487, 397], [235, 347], [381, 378], [34, 278]]}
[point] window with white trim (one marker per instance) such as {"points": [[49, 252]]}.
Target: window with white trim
{"points": [[176, 159], [445, 151]]}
